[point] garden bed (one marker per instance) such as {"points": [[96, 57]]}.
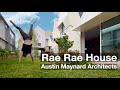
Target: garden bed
{"points": [[9, 56], [5, 53]]}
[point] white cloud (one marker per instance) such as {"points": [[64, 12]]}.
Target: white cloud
{"points": [[20, 17], [54, 20]]}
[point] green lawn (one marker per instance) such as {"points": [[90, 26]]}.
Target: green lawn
{"points": [[10, 68]]}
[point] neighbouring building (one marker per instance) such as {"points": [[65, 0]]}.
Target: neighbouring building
{"points": [[7, 36], [44, 39], [41, 39], [48, 41], [48, 38]]}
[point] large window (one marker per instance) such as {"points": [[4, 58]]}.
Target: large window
{"points": [[110, 34]]}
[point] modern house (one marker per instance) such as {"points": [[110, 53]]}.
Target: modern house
{"points": [[7, 36], [92, 32], [66, 25], [99, 31]]}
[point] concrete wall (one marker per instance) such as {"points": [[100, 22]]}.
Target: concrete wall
{"points": [[88, 16], [70, 18], [48, 35], [73, 19], [62, 16], [55, 34], [82, 41], [50, 38]]}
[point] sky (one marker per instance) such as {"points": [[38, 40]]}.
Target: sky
{"points": [[24, 19]]}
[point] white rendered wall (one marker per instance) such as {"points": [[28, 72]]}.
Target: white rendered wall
{"points": [[73, 19], [55, 34], [40, 36], [88, 16]]}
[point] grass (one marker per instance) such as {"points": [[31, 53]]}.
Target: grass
{"points": [[10, 68]]}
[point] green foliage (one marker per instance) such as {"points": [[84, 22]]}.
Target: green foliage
{"points": [[17, 52], [4, 52], [76, 52], [63, 43], [85, 62]]}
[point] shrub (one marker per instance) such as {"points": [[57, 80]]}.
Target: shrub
{"points": [[81, 62], [63, 43], [85, 62], [76, 52], [4, 52], [17, 52]]}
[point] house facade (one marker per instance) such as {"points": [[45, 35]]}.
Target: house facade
{"points": [[66, 25], [99, 31], [92, 32], [7, 36]]}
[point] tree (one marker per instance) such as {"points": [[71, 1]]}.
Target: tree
{"points": [[63, 43]]}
